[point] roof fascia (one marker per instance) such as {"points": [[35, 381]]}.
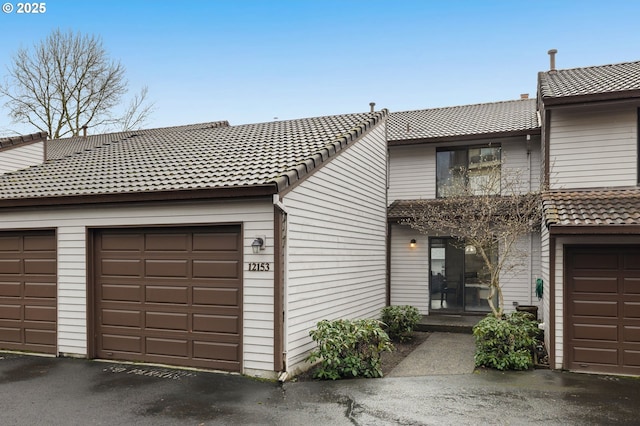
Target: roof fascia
{"points": [[135, 197], [454, 138], [631, 96], [594, 230]]}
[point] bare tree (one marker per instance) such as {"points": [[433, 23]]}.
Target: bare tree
{"points": [[65, 83], [488, 211]]}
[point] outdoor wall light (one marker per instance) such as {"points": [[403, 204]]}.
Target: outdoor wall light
{"points": [[258, 244], [470, 249], [412, 244]]}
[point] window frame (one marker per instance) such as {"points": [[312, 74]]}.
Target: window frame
{"points": [[467, 149]]}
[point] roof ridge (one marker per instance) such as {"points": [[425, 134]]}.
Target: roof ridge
{"points": [[594, 66], [465, 105]]}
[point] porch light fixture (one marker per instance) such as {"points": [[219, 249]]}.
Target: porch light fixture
{"points": [[412, 244], [257, 245], [469, 249]]}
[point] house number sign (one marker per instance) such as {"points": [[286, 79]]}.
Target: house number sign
{"points": [[259, 266]]}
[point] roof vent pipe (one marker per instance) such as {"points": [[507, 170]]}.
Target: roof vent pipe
{"points": [[372, 105], [552, 60], [84, 131]]}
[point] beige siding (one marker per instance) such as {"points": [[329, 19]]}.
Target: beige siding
{"points": [[409, 268], [412, 172], [336, 250], [520, 272], [72, 227], [21, 157], [412, 168], [593, 148]]}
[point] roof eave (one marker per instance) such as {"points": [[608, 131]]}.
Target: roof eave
{"points": [[556, 229], [136, 197], [596, 97], [475, 136]]}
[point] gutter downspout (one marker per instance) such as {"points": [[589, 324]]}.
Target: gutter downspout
{"points": [[530, 234], [280, 288]]}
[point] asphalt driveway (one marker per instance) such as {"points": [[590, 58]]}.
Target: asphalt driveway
{"points": [[58, 391]]}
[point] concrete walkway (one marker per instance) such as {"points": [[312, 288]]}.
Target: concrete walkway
{"points": [[441, 353]]}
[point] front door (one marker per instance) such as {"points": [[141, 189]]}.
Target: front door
{"points": [[459, 277], [447, 275]]}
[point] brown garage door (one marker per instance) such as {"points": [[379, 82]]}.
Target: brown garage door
{"points": [[28, 291], [603, 308], [170, 296]]}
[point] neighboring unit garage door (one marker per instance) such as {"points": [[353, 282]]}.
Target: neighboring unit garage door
{"points": [[28, 291], [603, 308], [170, 296]]}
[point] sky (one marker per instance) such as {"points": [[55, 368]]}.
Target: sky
{"points": [[252, 61]]}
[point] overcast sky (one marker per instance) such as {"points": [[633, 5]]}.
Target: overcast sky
{"points": [[253, 61]]}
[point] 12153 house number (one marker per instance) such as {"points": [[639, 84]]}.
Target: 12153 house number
{"points": [[259, 266]]}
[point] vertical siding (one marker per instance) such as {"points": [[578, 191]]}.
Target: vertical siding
{"points": [[337, 243], [21, 157], [412, 172], [72, 226], [593, 148], [409, 268]]}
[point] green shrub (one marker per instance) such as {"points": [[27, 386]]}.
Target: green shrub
{"points": [[506, 343], [400, 321], [349, 348]]}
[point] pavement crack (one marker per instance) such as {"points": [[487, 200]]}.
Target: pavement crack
{"points": [[349, 412]]}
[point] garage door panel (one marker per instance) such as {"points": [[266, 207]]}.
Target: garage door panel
{"points": [[215, 242], [217, 351], [10, 335], [166, 242], [121, 343], [631, 334], [10, 266], [167, 294], [216, 323], [39, 243], [595, 285], [167, 347], [631, 286], [11, 243], [631, 261], [10, 289], [122, 267], [631, 310], [121, 242], [593, 355], [215, 269], [121, 292], [11, 312], [40, 267], [122, 318], [166, 268], [216, 296], [631, 358], [593, 308], [592, 260], [595, 332], [167, 320], [191, 287], [40, 337], [42, 290], [40, 313]]}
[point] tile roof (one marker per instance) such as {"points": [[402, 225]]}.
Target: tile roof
{"points": [[598, 207], [467, 120], [614, 79], [273, 154], [59, 148]]}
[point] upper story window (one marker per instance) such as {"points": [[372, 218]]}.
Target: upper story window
{"points": [[472, 170]]}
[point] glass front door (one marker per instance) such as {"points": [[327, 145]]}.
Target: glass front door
{"points": [[459, 278]]}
